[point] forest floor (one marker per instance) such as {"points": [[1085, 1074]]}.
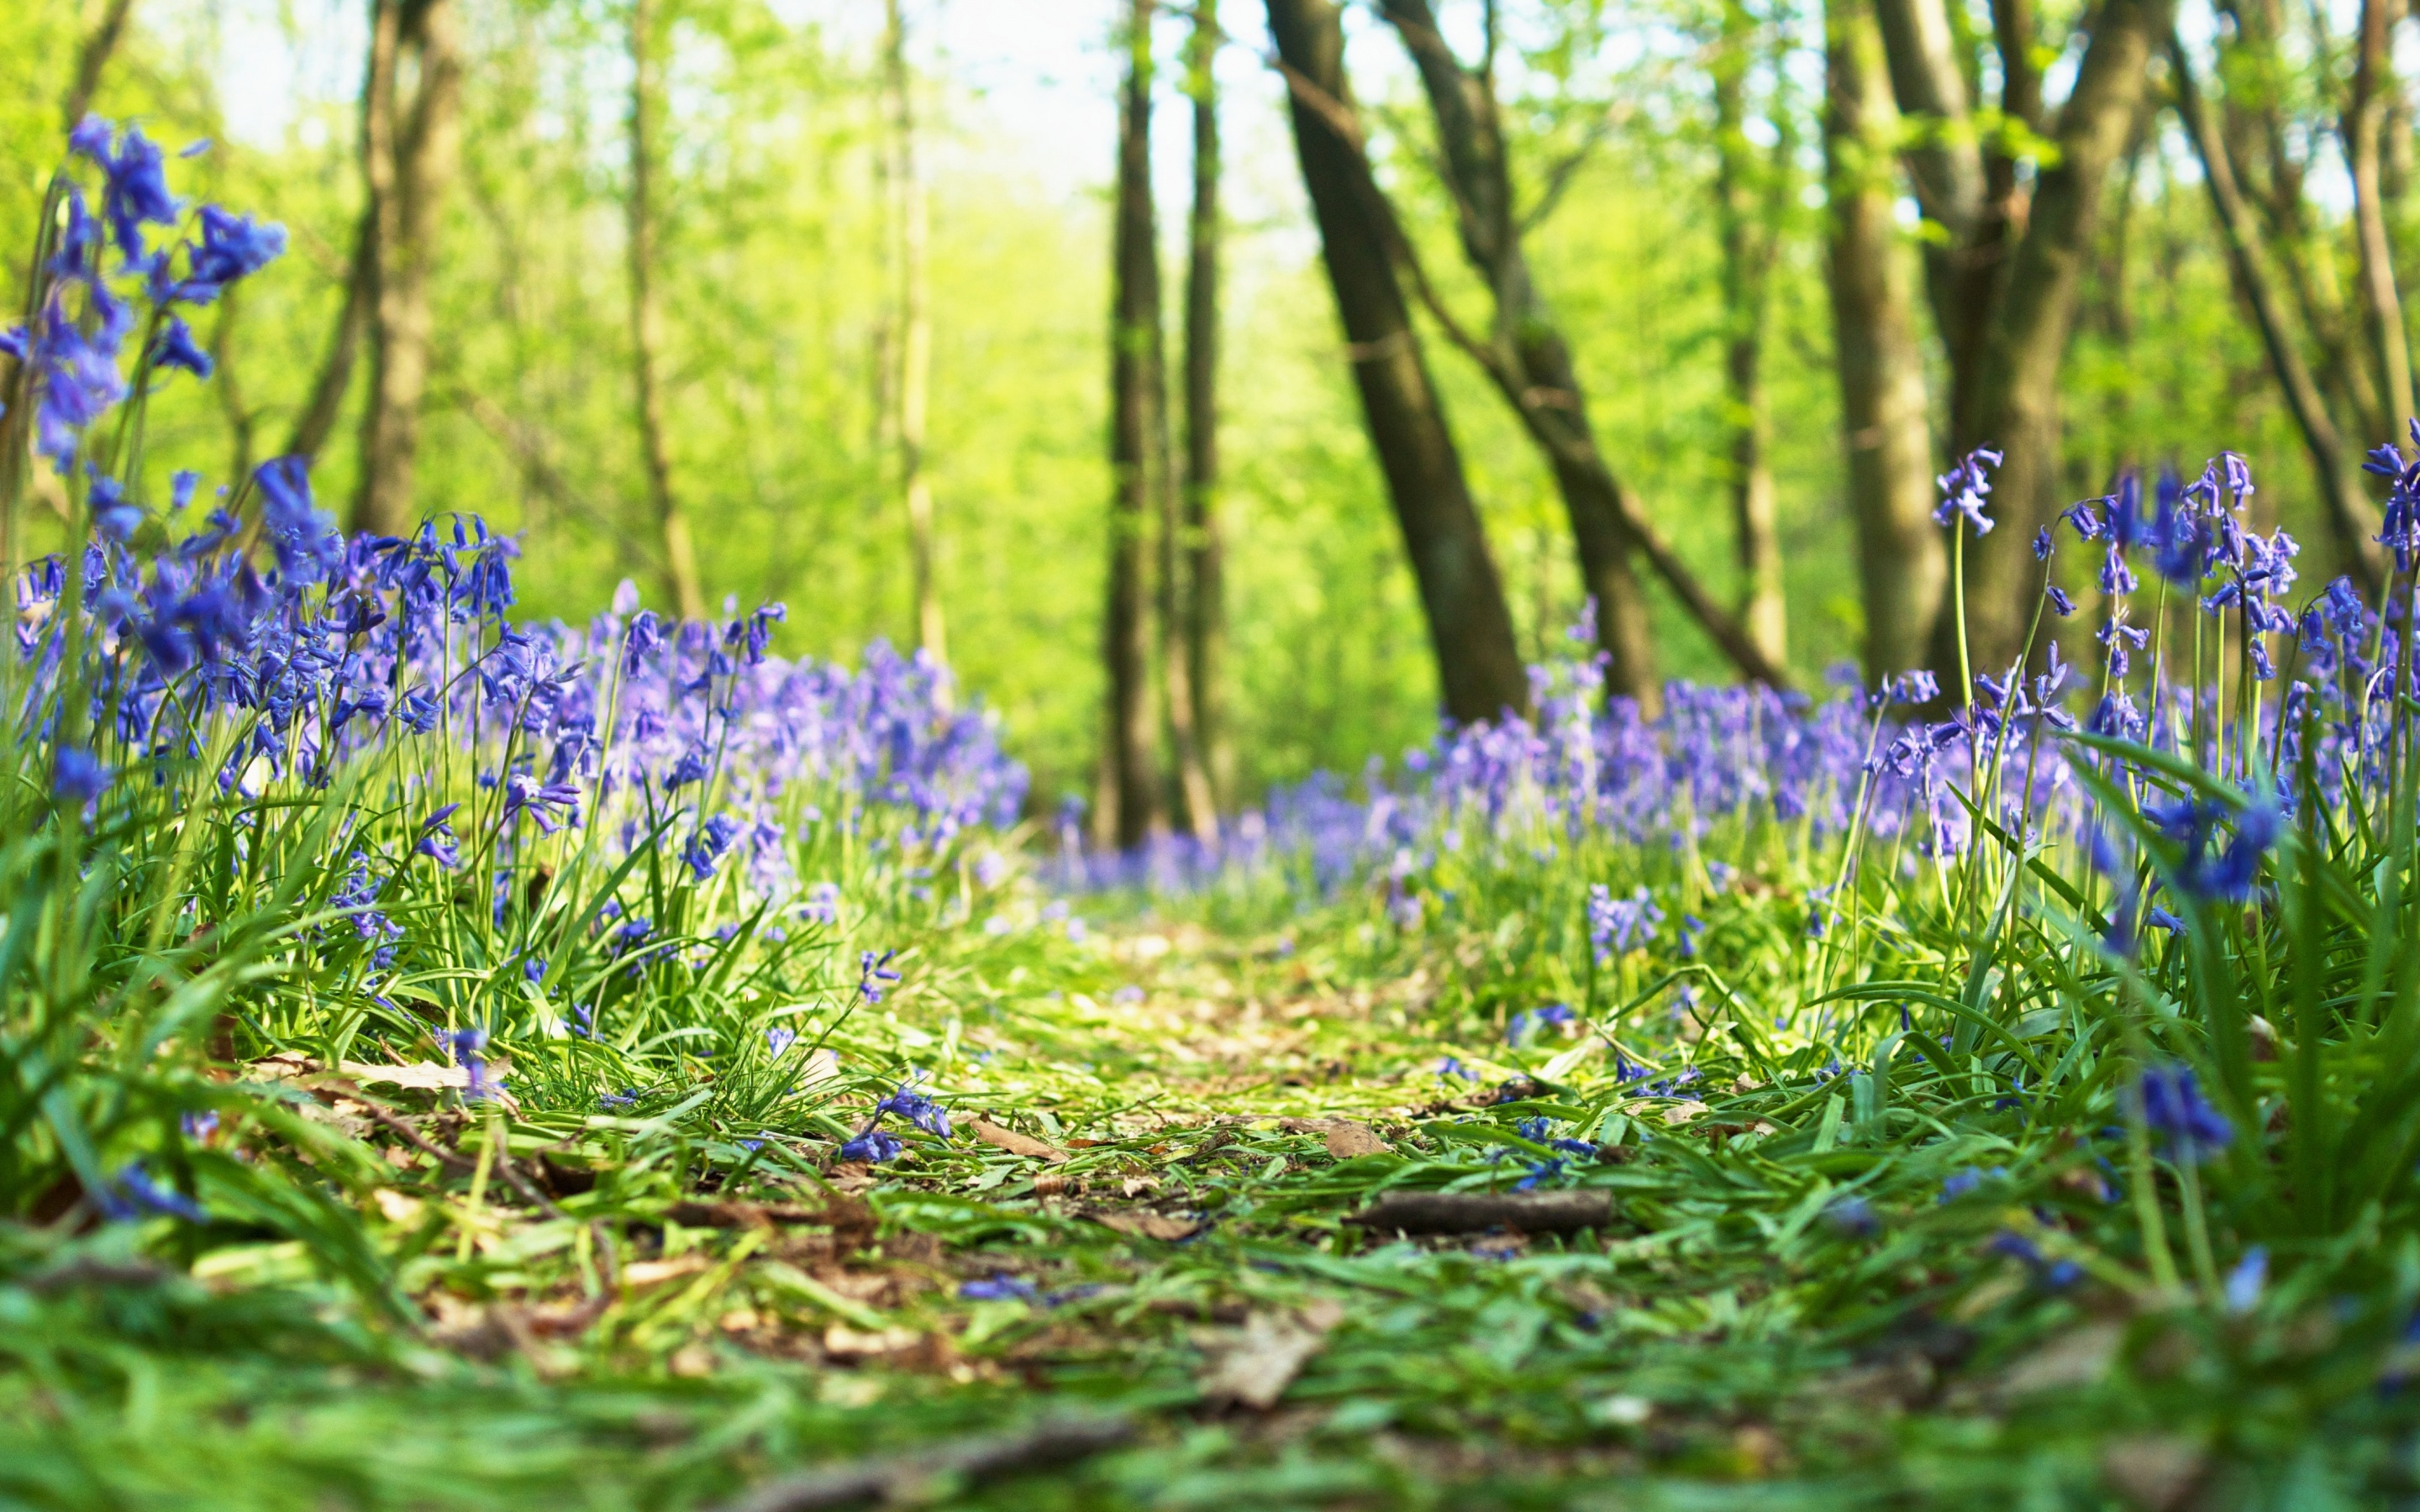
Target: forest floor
{"points": [[1129, 1279]]}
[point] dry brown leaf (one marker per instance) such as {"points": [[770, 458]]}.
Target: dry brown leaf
{"points": [[1145, 1223], [2156, 1471], [1014, 1143], [422, 1075], [648, 1273], [2077, 1358], [1260, 1361], [1347, 1140], [397, 1208], [842, 1339]]}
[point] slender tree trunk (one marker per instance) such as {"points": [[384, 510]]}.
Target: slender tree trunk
{"points": [[412, 156], [1963, 191], [2372, 85], [1878, 351], [1133, 729], [227, 379], [317, 419], [2352, 519], [680, 582], [915, 340], [1479, 664], [2014, 397], [1747, 255], [92, 59], [1205, 607], [1478, 177]]}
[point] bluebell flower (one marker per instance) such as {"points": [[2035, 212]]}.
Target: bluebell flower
{"points": [[2060, 604], [917, 1109], [628, 1097], [871, 1144], [232, 247], [874, 974], [437, 838], [303, 535], [176, 347], [704, 849], [79, 777], [467, 1042], [780, 1037], [1963, 489], [133, 1193], [2042, 545], [1853, 1216], [1539, 1171], [1000, 1287], [2173, 1108], [1534, 1128], [1451, 1066], [2247, 1279]]}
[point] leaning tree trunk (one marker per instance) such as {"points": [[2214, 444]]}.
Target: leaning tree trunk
{"points": [[2014, 400], [413, 165], [680, 580], [1747, 258], [1469, 627], [1478, 179], [2352, 522], [1878, 351], [2362, 128], [92, 58], [1205, 588], [317, 419], [1133, 758], [912, 219]]}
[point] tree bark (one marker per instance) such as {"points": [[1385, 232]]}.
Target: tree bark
{"points": [[1963, 189], [912, 219], [1479, 664], [1478, 173], [2353, 520], [92, 58], [680, 582], [1206, 587], [2013, 402], [1133, 759], [411, 158], [2363, 119], [1744, 209], [1878, 352]]}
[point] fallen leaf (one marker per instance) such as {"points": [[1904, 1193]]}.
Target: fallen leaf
{"points": [[648, 1273], [1014, 1143], [1254, 1366], [842, 1339], [2076, 1358], [422, 1075], [397, 1208], [1051, 1184], [1347, 1140], [1145, 1223], [1135, 1186], [2156, 1471]]}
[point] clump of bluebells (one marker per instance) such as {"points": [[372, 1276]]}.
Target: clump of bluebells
{"points": [[301, 757]]}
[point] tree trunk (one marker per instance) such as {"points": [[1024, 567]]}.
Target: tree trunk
{"points": [[680, 582], [1478, 179], [92, 58], [2352, 522], [1204, 576], [906, 183], [1477, 663], [1133, 731], [2013, 402], [226, 378], [412, 156], [1878, 351], [1963, 191], [2365, 113], [317, 419], [1740, 210]]}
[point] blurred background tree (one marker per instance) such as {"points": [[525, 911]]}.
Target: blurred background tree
{"points": [[824, 178]]}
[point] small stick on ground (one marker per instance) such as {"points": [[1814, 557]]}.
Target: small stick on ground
{"points": [[1475, 1213], [1056, 1441]]}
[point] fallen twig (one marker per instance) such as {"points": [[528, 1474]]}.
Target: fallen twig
{"points": [[1475, 1212], [1054, 1442]]}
